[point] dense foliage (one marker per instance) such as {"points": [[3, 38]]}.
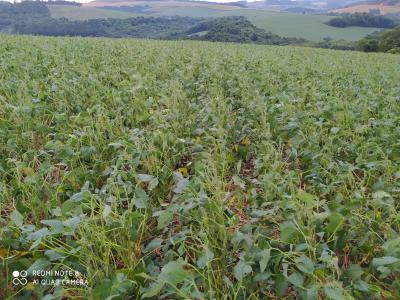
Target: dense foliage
{"points": [[194, 170], [11, 14], [17, 10], [139, 27], [238, 30], [362, 20], [387, 41], [329, 43]]}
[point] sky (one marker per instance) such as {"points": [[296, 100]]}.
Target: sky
{"points": [[220, 1]]}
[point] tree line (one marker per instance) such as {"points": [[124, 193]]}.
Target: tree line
{"points": [[362, 20], [386, 41]]}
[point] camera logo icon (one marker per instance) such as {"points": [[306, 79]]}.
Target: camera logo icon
{"points": [[19, 277]]}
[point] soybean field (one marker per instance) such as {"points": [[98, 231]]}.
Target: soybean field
{"points": [[143, 169]]}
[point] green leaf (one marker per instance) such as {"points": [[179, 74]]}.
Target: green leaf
{"points": [[153, 184], [288, 231], [392, 247], [335, 222], [361, 285], [181, 185], [281, 284], [141, 198], [383, 261], [145, 177], [121, 284], [335, 130], [381, 195], [304, 264], [296, 279], [102, 289], [241, 270], [265, 257], [52, 223], [305, 197], [355, 271], [151, 180], [238, 182], [57, 226], [106, 211], [56, 254], [173, 272], [17, 218], [38, 234], [38, 265], [385, 271], [135, 219], [206, 256], [80, 196], [334, 293], [35, 244], [382, 199], [72, 222], [312, 293], [116, 145], [154, 244], [154, 289], [164, 219]]}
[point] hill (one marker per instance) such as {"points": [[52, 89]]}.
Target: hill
{"points": [[194, 170], [311, 27], [223, 29]]}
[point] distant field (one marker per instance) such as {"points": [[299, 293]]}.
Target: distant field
{"points": [[310, 27], [85, 13], [159, 5], [197, 12], [384, 8]]}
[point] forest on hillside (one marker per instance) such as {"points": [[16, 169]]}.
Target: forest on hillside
{"points": [[363, 20]]}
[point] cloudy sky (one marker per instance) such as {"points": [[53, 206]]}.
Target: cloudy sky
{"points": [[85, 1], [221, 1]]}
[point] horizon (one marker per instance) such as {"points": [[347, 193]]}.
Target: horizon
{"points": [[87, 1]]}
